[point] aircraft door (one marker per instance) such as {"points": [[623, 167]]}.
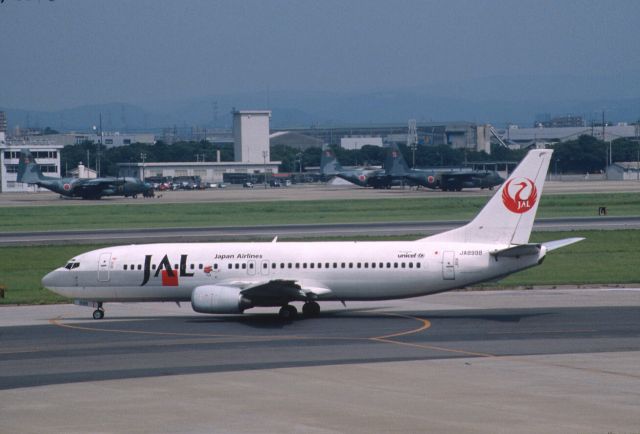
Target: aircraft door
{"points": [[251, 268], [264, 268], [448, 265], [104, 262]]}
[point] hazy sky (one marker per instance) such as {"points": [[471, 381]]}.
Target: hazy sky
{"points": [[69, 52]]}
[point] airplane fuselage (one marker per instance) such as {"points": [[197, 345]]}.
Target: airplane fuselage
{"points": [[353, 270]]}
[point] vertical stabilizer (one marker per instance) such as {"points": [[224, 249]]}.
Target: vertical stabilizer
{"points": [[329, 164], [508, 216], [395, 164], [28, 170]]}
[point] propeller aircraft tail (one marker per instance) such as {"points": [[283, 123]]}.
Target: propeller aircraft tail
{"points": [[28, 171]]}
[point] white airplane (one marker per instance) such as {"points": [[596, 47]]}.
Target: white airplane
{"points": [[228, 278]]}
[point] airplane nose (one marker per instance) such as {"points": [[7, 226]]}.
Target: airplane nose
{"points": [[50, 281], [58, 279]]}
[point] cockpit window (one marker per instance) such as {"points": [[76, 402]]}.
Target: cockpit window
{"points": [[71, 265]]}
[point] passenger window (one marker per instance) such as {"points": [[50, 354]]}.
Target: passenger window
{"points": [[215, 266], [395, 265], [230, 266], [124, 267], [359, 265], [410, 264], [342, 265], [192, 266], [312, 265], [326, 265], [200, 266], [153, 267], [388, 264], [133, 267], [297, 265], [289, 265], [281, 264], [304, 265], [335, 265], [139, 267], [366, 265], [244, 266], [175, 266], [273, 265], [381, 264], [250, 265], [403, 264], [418, 265], [350, 264], [373, 265], [237, 266]]}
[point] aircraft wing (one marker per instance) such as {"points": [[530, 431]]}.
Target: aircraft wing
{"points": [[282, 288], [460, 176], [102, 182]]}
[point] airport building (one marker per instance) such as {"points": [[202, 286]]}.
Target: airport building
{"points": [[108, 139], [458, 135], [624, 171], [517, 137]]}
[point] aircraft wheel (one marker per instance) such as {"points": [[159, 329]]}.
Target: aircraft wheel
{"points": [[288, 312], [311, 309], [135, 196], [98, 314]]}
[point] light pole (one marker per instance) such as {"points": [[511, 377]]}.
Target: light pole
{"points": [[143, 157], [264, 162]]}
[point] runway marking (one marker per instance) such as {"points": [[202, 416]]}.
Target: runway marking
{"points": [[433, 347], [425, 325], [56, 322], [531, 332]]}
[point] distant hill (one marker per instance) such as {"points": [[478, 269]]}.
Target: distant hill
{"points": [[495, 100]]}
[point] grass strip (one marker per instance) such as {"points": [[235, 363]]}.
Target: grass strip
{"points": [[67, 217]]}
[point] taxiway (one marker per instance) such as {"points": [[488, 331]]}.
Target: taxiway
{"points": [[563, 360]]}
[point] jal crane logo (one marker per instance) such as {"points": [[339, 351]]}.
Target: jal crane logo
{"points": [[517, 203]]}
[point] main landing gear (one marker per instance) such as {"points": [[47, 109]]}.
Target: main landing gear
{"points": [[99, 312], [310, 309]]}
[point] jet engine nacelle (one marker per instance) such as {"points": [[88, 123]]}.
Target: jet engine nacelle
{"points": [[218, 299]]}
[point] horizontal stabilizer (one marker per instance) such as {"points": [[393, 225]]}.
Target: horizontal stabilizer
{"points": [[552, 245], [517, 251]]}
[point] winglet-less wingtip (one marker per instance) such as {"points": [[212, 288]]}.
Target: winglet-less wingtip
{"points": [[552, 245]]}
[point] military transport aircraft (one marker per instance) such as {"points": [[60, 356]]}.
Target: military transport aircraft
{"points": [[329, 166], [29, 172], [229, 278], [446, 180]]}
